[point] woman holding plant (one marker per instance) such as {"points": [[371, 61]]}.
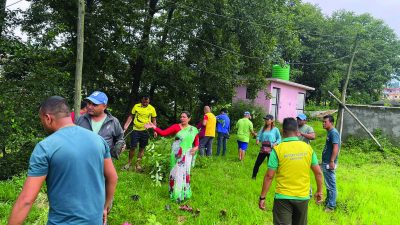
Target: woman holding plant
{"points": [[183, 148]]}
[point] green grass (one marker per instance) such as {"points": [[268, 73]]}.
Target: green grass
{"points": [[368, 191]]}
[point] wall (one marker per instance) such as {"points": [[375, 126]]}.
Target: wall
{"points": [[287, 101], [259, 100], [373, 117]]}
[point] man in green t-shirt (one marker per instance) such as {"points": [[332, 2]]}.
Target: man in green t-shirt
{"points": [[244, 128], [306, 133], [290, 163]]}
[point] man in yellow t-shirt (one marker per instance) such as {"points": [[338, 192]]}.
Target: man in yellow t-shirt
{"points": [[210, 124], [141, 114], [291, 160]]}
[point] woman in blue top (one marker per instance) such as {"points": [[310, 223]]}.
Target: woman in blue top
{"points": [[269, 136]]}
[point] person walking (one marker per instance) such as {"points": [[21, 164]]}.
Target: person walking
{"points": [[306, 132], [223, 129], [244, 129], [329, 161], [76, 165], [101, 122], [291, 161], [269, 136], [141, 114], [183, 149], [209, 122]]}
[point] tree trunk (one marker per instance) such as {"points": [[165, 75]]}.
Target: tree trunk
{"points": [[2, 16], [79, 58], [137, 66]]}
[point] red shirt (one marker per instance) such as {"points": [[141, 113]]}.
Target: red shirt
{"points": [[174, 129]]}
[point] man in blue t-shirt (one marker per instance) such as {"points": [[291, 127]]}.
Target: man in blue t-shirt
{"points": [[329, 162], [77, 168], [223, 128]]}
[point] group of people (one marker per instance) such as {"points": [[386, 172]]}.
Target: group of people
{"points": [[290, 162], [76, 158]]}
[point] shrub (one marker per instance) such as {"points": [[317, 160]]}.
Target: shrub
{"points": [[238, 108], [156, 159], [17, 161]]}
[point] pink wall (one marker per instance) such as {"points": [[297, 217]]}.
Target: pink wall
{"points": [[259, 100], [287, 102]]}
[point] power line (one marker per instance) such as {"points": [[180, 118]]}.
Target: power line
{"points": [[257, 24], [255, 57], [14, 3]]}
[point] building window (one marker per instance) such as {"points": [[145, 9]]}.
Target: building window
{"points": [[301, 97], [248, 93]]}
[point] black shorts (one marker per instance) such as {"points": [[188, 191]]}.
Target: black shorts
{"points": [[141, 137]]}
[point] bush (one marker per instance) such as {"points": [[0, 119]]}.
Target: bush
{"points": [[238, 108], [16, 162], [156, 159]]}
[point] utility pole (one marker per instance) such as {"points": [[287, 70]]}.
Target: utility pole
{"points": [[2, 15], [79, 58], [344, 90]]}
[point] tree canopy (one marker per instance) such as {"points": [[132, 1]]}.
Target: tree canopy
{"points": [[185, 54]]}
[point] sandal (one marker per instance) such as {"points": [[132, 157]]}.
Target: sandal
{"points": [[186, 208]]}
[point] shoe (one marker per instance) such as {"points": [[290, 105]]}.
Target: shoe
{"points": [[126, 167], [329, 210]]}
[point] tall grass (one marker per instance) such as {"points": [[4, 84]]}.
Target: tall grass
{"points": [[224, 193]]}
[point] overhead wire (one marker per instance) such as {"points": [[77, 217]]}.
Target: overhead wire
{"points": [[257, 24], [14, 3], [254, 57]]}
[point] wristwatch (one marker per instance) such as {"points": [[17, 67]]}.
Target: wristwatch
{"points": [[262, 198]]}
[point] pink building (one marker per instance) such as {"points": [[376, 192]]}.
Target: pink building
{"points": [[281, 98]]}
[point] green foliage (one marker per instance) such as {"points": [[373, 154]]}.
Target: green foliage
{"points": [[17, 161], [156, 160], [238, 108]]}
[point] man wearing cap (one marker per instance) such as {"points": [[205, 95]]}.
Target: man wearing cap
{"points": [[306, 132], [100, 121], [244, 128], [141, 114], [75, 164], [209, 122]]}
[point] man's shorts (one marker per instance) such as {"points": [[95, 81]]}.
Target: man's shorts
{"points": [[141, 137], [243, 145]]}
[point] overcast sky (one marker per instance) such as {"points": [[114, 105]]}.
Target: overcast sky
{"points": [[387, 10]]}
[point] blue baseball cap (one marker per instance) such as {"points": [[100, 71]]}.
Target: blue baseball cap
{"points": [[98, 97], [302, 116], [247, 113]]}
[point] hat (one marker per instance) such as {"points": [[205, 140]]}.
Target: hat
{"points": [[302, 116], [268, 117], [246, 113], [98, 97]]}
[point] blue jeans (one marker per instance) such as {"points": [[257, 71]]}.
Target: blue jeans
{"points": [[206, 146], [222, 137], [330, 183]]}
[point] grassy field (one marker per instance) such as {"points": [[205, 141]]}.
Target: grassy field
{"points": [[224, 193]]}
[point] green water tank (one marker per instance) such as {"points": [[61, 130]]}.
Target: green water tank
{"points": [[281, 72]]}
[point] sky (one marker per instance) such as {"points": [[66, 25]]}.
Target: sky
{"points": [[387, 10]]}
